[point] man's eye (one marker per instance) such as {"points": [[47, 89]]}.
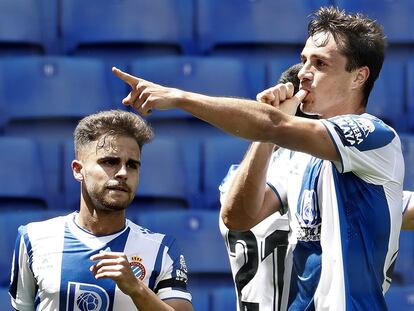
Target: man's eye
{"points": [[320, 63], [110, 162]]}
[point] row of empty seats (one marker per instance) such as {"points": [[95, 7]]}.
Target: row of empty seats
{"points": [[177, 174], [60, 90], [188, 26]]}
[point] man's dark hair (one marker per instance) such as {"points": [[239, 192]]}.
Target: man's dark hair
{"points": [[291, 75], [111, 123], [360, 39]]}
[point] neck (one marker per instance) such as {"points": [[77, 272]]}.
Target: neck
{"points": [[101, 222]]}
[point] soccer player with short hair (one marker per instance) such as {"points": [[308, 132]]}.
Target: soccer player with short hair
{"points": [[96, 259], [345, 175]]}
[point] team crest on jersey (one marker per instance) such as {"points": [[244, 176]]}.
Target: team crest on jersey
{"points": [[355, 130], [309, 217], [86, 297], [137, 267]]}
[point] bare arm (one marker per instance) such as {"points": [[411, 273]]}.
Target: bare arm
{"points": [[115, 266], [249, 200], [243, 118], [408, 217]]}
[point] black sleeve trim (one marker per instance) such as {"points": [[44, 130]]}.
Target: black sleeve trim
{"points": [[170, 283]]}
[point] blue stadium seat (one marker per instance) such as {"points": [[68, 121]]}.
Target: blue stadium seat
{"points": [[394, 15], [165, 180], [200, 299], [219, 154], [28, 26], [5, 299], [400, 298], [105, 24], [224, 299], [405, 261], [218, 76], [386, 100], [276, 67], [198, 236], [9, 223], [407, 144], [57, 92], [410, 95], [22, 186], [246, 22]]}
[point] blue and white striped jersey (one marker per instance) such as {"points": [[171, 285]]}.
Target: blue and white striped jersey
{"points": [[51, 266], [345, 218]]}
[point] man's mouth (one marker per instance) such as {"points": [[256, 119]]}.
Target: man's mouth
{"points": [[118, 188]]}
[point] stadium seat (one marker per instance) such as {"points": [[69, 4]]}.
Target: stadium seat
{"points": [[394, 15], [410, 95], [386, 100], [400, 298], [405, 261], [28, 26], [5, 299], [9, 223], [218, 76], [223, 299], [200, 299], [46, 96], [250, 23], [198, 236], [219, 153], [144, 23], [23, 184], [276, 67], [407, 144]]}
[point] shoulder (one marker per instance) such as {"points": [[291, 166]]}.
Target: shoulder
{"points": [[140, 232], [364, 132]]}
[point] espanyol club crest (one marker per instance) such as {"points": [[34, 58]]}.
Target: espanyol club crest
{"points": [[137, 267]]}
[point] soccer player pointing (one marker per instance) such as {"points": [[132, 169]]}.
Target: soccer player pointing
{"points": [[344, 177]]}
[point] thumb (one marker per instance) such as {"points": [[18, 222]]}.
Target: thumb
{"points": [[131, 80], [300, 95]]}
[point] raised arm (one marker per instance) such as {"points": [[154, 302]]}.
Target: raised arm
{"points": [[243, 118]]}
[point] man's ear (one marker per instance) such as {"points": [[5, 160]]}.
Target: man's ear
{"points": [[360, 77], [77, 170]]}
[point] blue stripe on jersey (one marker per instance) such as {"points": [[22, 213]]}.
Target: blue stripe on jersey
{"points": [[76, 278], [166, 241], [305, 277], [28, 247], [283, 207], [13, 285], [364, 221]]}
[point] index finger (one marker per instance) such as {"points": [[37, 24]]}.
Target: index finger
{"points": [[106, 255], [126, 77], [300, 95]]}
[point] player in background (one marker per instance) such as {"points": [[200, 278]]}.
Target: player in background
{"points": [[345, 175], [96, 259]]}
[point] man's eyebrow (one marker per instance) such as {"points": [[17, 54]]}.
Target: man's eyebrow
{"points": [[137, 162]]}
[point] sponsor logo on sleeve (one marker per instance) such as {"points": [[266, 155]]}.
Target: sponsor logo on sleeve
{"points": [[355, 130]]}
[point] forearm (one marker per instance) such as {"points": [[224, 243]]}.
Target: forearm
{"points": [[239, 117], [244, 202], [146, 300]]}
